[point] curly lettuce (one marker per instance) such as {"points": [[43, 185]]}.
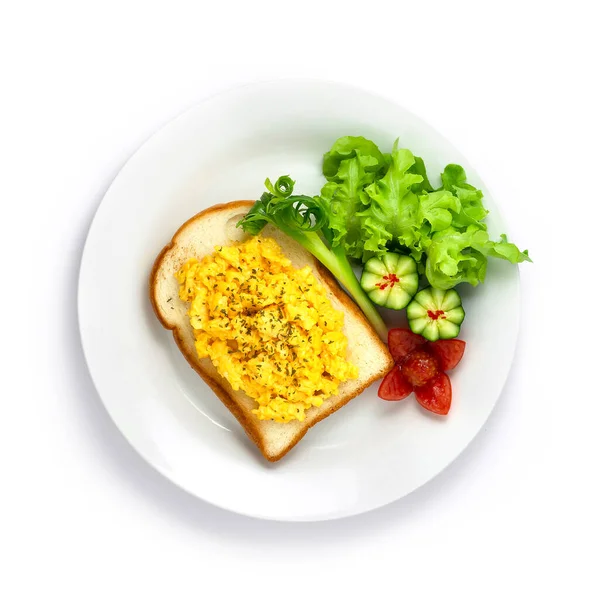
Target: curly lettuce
{"points": [[382, 202], [351, 164], [472, 211], [455, 256], [399, 216], [392, 207]]}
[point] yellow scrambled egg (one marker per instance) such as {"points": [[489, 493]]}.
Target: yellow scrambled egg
{"points": [[268, 328]]}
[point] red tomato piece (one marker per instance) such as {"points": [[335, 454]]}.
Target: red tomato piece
{"points": [[448, 352], [436, 395], [419, 367], [402, 342], [394, 386]]}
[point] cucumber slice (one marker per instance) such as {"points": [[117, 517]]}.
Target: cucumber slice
{"points": [[391, 280], [435, 314]]}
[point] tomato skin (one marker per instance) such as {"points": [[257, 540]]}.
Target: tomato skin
{"points": [[401, 342], [436, 394], [419, 367], [394, 385], [448, 352]]}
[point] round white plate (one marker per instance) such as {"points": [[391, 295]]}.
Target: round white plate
{"points": [[369, 453]]}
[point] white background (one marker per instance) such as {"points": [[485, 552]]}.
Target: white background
{"points": [[83, 85]]}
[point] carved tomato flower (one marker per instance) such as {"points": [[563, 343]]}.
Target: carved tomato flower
{"points": [[421, 367]]}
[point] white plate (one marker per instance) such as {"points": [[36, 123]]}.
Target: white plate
{"points": [[366, 455]]}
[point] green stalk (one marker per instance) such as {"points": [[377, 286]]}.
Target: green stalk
{"points": [[337, 262]]}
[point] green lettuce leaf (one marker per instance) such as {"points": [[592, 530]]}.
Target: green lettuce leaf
{"points": [[471, 210], [392, 212], [438, 209], [455, 257], [348, 147], [419, 169], [377, 202], [350, 165], [396, 215], [508, 251]]}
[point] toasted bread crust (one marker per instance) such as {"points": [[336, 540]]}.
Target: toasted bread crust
{"points": [[158, 261], [251, 425]]}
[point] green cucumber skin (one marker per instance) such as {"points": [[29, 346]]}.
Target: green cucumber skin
{"points": [[430, 299], [396, 295]]}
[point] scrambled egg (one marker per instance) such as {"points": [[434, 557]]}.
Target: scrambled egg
{"points": [[268, 328]]}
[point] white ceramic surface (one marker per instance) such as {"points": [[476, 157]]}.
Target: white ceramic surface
{"points": [[368, 454]]}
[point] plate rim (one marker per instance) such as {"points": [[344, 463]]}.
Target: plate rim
{"points": [[170, 476]]}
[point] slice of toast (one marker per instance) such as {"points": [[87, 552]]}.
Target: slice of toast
{"points": [[198, 237]]}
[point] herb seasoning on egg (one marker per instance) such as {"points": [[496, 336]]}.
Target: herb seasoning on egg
{"points": [[280, 352]]}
